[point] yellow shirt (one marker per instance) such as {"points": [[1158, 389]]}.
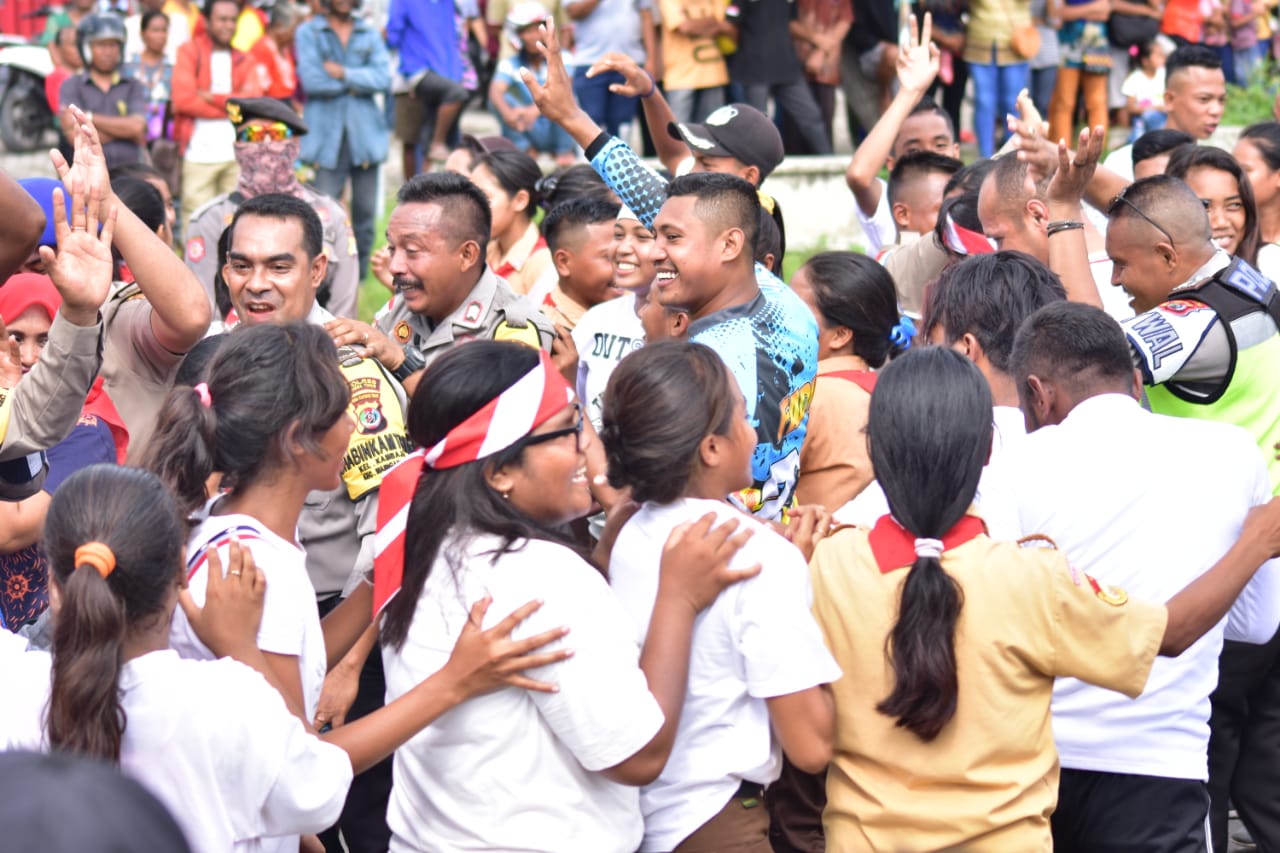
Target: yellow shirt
{"points": [[834, 462], [691, 62], [989, 781]]}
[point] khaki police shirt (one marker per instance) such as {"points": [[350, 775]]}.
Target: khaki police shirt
{"points": [[137, 371], [491, 311], [337, 526], [343, 277]]}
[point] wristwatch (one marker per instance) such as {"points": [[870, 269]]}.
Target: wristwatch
{"points": [[413, 362]]}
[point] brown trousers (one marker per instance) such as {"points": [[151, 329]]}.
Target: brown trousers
{"points": [[1062, 106], [742, 826]]}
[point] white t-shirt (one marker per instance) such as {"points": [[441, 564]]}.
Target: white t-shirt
{"points": [[1146, 503], [213, 741], [879, 227], [1149, 91], [518, 770], [992, 500], [1269, 261], [213, 140], [290, 620], [756, 641], [603, 336]]}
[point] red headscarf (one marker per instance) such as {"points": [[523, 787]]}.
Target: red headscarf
{"points": [[28, 290]]}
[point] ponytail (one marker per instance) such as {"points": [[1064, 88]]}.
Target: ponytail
{"points": [[84, 714], [929, 430], [114, 540], [181, 450]]}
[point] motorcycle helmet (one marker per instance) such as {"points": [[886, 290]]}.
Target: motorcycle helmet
{"points": [[524, 14], [99, 26]]}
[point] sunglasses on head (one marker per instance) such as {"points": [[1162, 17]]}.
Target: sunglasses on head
{"points": [[276, 131], [1120, 199]]}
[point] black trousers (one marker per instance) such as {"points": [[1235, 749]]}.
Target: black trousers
{"points": [[1125, 813], [1244, 743]]}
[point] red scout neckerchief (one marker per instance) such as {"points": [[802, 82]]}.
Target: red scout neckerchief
{"points": [[533, 400], [895, 548], [864, 379], [506, 268]]}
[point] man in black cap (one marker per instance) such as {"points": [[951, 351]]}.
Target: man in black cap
{"points": [[267, 147]]}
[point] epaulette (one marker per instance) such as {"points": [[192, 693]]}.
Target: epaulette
{"points": [[349, 356]]}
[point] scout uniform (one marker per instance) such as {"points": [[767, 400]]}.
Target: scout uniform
{"points": [[336, 527], [989, 781], [491, 311]]}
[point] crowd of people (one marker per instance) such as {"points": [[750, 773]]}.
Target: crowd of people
{"points": [[600, 535]]}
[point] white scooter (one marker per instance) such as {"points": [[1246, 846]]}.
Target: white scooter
{"points": [[26, 122]]}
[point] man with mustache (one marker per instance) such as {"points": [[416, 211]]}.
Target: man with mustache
{"points": [[445, 294]]}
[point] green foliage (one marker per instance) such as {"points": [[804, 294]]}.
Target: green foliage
{"points": [[1249, 104]]}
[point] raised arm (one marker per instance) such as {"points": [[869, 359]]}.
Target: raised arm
{"points": [[917, 68], [639, 83]]}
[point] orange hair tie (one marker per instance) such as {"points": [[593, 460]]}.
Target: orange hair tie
{"points": [[98, 555]]}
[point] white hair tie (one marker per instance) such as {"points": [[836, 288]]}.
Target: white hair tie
{"points": [[929, 548]]}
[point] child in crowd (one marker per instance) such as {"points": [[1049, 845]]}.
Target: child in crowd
{"points": [[852, 298], [479, 513], [510, 98], [675, 433], [579, 234], [517, 251], [1144, 89]]}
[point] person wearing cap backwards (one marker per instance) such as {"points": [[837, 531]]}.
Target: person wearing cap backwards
{"points": [[118, 105], [267, 146], [705, 227], [344, 65]]}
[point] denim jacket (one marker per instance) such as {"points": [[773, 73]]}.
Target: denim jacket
{"points": [[335, 107]]}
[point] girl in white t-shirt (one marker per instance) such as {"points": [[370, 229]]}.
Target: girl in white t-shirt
{"points": [[675, 432], [480, 512]]}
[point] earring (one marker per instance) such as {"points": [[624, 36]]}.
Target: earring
{"points": [[506, 496]]}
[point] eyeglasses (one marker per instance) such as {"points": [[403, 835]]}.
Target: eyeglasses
{"points": [[276, 131], [1120, 199], [575, 430]]}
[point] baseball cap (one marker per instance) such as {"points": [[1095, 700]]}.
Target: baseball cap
{"points": [[737, 130]]}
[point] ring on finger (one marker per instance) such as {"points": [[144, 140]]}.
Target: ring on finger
{"points": [[235, 572]]}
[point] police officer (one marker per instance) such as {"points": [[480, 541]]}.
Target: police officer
{"points": [[267, 147], [445, 293]]}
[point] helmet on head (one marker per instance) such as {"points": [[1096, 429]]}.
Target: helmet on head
{"points": [[99, 26], [524, 14]]}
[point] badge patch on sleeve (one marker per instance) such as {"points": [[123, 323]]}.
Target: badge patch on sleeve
{"points": [[195, 249], [380, 439], [1113, 595]]}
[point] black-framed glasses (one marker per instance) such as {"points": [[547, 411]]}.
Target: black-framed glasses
{"points": [[575, 431], [1120, 199]]}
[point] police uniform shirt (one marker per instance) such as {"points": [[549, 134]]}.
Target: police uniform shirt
{"points": [[1147, 503], [343, 277], [491, 311], [337, 526]]}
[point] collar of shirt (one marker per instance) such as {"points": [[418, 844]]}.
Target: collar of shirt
{"points": [[470, 316], [318, 316], [834, 363], [1218, 262], [893, 546], [568, 307], [519, 251], [1101, 412]]}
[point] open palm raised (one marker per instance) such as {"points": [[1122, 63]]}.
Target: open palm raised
{"points": [[81, 267]]}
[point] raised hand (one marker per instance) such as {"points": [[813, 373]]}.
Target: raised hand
{"points": [[82, 266], [919, 59], [555, 98], [89, 163], [1073, 174], [1031, 141], [695, 561], [636, 81], [483, 661]]}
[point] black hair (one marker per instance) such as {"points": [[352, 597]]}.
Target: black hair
{"points": [[928, 106], [207, 9], [929, 432], [142, 199], [1153, 143], [1207, 157], [768, 241], [960, 202], [988, 296], [138, 170], [969, 178], [1076, 345], [286, 207], [853, 291], [659, 404], [129, 511], [726, 200], [469, 214], [568, 218], [195, 364], [1265, 138], [574, 181], [514, 171], [150, 15], [918, 164], [222, 293], [269, 386], [459, 500], [1191, 56]]}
